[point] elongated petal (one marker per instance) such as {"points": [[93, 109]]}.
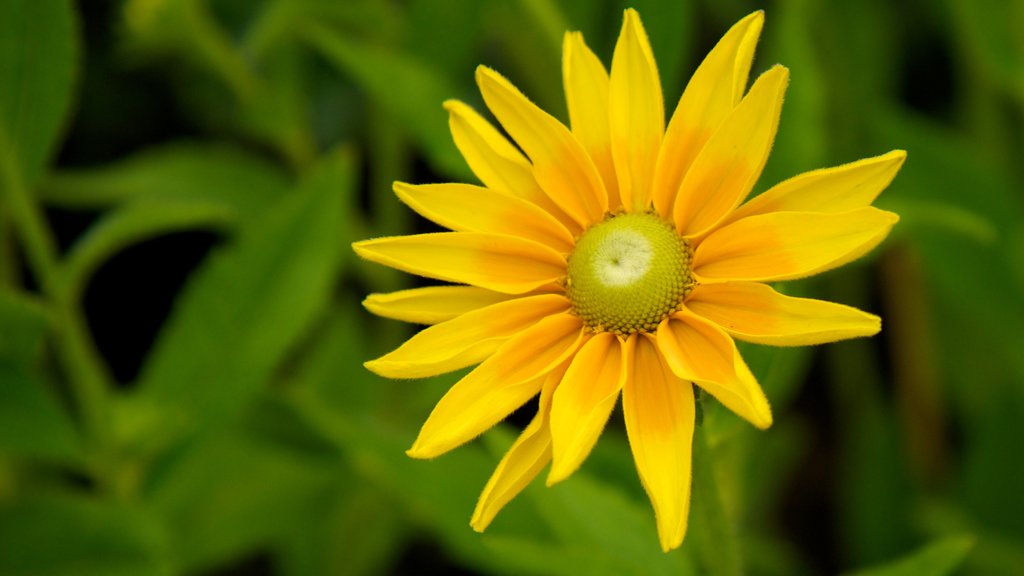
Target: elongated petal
{"points": [[530, 453], [468, 208], [700, 352], [584, 401], [586, 93], [659, 412], [560, 164], [637, 113], [432, 304], [756, 313], [500, 263], [467, 339], [496, 162], [840, 189], [726, 169], [787, 245], [498, 386], [712, 93]]}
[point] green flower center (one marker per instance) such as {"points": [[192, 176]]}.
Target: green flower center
{"points": [[628, 273]]}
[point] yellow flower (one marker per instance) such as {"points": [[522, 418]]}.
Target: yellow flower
{"points": [[616, 257]]}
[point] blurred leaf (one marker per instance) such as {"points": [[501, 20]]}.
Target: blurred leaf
{"points": [[936, 559], [34, 422], [358, 530], [411, 91], [70, 535], [992, 32], [670, 27], [134, 223], [38, 49], [711, 529], [596, 528], [444, 32], [24, 324], [229, 494], [178, 172], [249, 303], [942, 218], [804, 141]]}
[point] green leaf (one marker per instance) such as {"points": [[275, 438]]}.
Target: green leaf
{"points": [[23, 324], [38, 50], [175, 173], [34, 422], [65, 534], [711, 529], [410, 90], [132, 224], [249, 303], [939, 558], [231, 493]]}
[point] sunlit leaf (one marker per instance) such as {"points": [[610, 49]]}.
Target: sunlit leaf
{"points": [[249, 303]]}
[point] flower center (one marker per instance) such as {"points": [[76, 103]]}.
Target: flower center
{"points": [[628, 273]]}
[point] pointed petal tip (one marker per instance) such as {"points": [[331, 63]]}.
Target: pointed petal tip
{"points": [[418, 452], [556, 475]]}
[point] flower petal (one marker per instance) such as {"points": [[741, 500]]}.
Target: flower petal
{"points": [[468, 208], [847, 187], [787, 245], [660, 415], [727, 168], [700, 352], [584, 401], [498, 386], [637, 113], [496, 262], [467, 339], [496, 162], [560, 164], [586, 93], [756, 313], [521, 464], [432, 304], [710, 96]]}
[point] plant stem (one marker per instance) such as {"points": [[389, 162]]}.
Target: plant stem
{"points": [[86, 372]]}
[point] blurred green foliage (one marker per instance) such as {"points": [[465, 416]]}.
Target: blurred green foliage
{"points": [[250, 439]]}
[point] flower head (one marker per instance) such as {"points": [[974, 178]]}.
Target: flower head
{"points": [[617, 257]]}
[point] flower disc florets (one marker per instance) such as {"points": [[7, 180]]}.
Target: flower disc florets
{"points": [[628, 273]]}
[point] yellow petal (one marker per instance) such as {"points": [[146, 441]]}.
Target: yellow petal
{"points": [[560, 164], [659, 412], [584, 401], [496, 162], [500, 263], [787, 245], [467, 339], [757, 313], [840, 189], [498, 386], [637, 113], [712, 93], [727, 168], [432, 304], [521, 464], [468, 208], [586, 93], [700, 352]]}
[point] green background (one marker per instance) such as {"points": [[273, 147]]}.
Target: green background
{"points": [[181, 389]]}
